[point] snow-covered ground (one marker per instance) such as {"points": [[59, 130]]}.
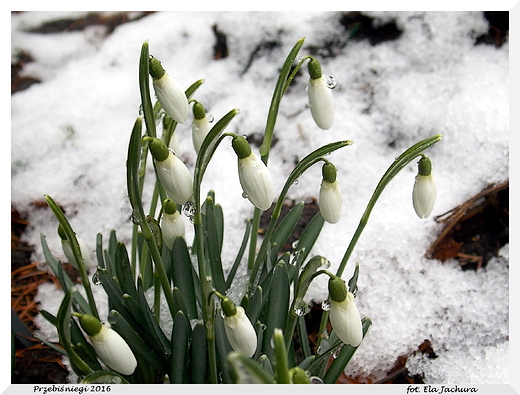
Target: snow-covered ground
{"points": [[69, 137]]}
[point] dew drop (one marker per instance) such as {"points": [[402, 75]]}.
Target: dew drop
{"points": [[331, 82], [316, 380], [336, 352], [210, 118], [325, 305], [294, 244], [95, 278], [189, 209], [296, 182], [135, 219], [325, 263], [301, 310], [245, 195]]}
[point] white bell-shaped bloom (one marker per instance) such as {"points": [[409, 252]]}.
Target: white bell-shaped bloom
{"points": [[424, 195], [109, 345], [254, 175], [330, 200], [346, 321], [176, 178], [113, 350], [424, 192], [171, 96], [172, 226], [200, 129], [256, 181], [321, 102], [240, 332]]}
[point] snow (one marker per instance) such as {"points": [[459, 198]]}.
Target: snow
{"points": [[69, 137]]}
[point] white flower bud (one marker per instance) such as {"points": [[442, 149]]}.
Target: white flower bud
{"points": [[200, 129], [346, 321], [321, 102], [424, 192], [330, 200], [172, 226], [172, 98], [176, 178], [240, 332], [67, 250], [113, 350], [256, 181]]}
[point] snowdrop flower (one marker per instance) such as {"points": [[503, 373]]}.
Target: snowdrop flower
{"points": [[67, 250], [320, 96], [239, 330], [344, 315], [330, 197], [172, 98], [424, 190], [254, 175], [109, 345], [173, 174], [172, 223], [200, 126]]}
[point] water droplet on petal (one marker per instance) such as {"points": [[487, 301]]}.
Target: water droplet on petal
{"points": [[331, 82], [189, 209], [95, 278], [210, 118], [325, 305], [244, 195]]}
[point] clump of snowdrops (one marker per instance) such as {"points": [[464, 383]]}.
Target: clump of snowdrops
{"points": [[212, 338]]}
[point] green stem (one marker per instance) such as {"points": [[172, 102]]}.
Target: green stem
{"points": [[404, 159]]}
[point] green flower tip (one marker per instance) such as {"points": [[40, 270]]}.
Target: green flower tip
{"points": [[198, 111], [299, 376], [425, 166], [329, 172], [158, 148], [241, 147], [229, 308], [314, 69], [156, 69], [169, 206], [61, 233], [337, 289], [90, 324]]}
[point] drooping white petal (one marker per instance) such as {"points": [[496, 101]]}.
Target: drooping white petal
{"points": [[85, 254], [346, 321], [176, 178], [424, 195], [321, 102], [172, 98], [200, 129], [240, 332], [114, 351], [172, 226], [330, 200], [256, 181]]}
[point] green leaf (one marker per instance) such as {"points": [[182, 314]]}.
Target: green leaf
{"points": [[286, 226], [310, 235], [213, 244], [124, 271], [179, 346], [199, 355], [277, 306], [247, 371], [63, 323], [144, 88], [182, 275], [103, 377], [222, 346]]}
